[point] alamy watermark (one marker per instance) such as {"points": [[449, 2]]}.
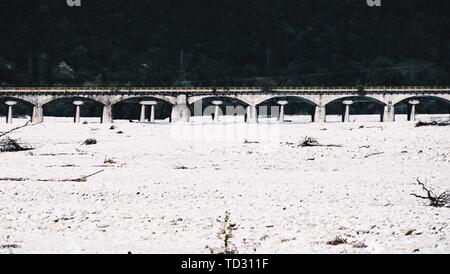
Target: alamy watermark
{"points": [[373, 3], [73, 3]]}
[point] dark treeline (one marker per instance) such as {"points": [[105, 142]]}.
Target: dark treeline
{"points": [[224, 42]]}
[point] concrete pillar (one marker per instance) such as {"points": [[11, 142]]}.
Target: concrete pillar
{"points": [[142, 118], [319, 114], [9, 117], [38, 115], [216, 110], [152, 113], [144, 105], [346, 116], [181, 111], [282, 104], [388, 114], [107, 117], [412, 113], [252, 114], [77, 104]]}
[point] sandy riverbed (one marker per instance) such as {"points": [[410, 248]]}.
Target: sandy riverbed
{"points": [[166, 186]]}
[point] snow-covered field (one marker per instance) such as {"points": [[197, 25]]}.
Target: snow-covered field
{"points": [[166, 186]]}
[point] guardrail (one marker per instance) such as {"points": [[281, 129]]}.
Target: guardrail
{"points": [[378, 89]]}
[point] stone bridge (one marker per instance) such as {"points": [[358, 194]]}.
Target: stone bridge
{"points": [[250, 97]]}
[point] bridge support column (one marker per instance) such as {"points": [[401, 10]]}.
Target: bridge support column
{"points": [[319, 114], [388, 114], [412, 112], [10, 105], [152, 113], [144, 105], [217, 110], [181, 111], [142, 117], [346, 116], [77, 117], [107, 117], [282, 104], [38, 115], [252, 114]]}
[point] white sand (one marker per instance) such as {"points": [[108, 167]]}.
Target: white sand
{"points": [[284, 199]]}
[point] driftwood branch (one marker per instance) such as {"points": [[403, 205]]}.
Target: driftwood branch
{"points": [[16, 128], [373, 154], [81, 179], [436, 201]]}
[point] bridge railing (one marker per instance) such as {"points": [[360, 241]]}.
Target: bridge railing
{"points": [[311, 89]]}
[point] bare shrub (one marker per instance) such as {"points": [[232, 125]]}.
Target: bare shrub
{"points": [[442, 200], [337, 241], [12, 145], [312, 142], [225, 234], [109, 161], [309, 142], [90, 141]]}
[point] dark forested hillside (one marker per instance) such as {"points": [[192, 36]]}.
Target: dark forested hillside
{"points": [[224, 42]]}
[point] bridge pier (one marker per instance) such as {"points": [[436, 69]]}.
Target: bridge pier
{"points": [[281, 116], [77, 117], [181, 111], [412, 112], [107, 116], [152, 112], [216, 110], [143, 110], [319, 114], [9, 117], [252, 114], [388, 114], [144, 105], [38, 115], [346, 116]]}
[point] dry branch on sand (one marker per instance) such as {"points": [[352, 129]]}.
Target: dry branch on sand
{"points": [[373, 154], [433, 123], [442, 200], [14, 129], [12, 145], [80, 179]]}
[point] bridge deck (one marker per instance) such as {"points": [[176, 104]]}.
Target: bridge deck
{"points": [[193, 90]]}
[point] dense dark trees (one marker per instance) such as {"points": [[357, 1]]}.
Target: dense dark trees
{"points": [[224, 42]]}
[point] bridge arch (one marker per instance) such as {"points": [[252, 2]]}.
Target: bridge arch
{"points": [[339, 98], [62, 106], [129, 107], [231, 106], [228, 98], [297, 106], [307, 99], [23, 99], [429, 105], [117, 99], [400, 99], [360, 105], [49, 99], [23, 107]]}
